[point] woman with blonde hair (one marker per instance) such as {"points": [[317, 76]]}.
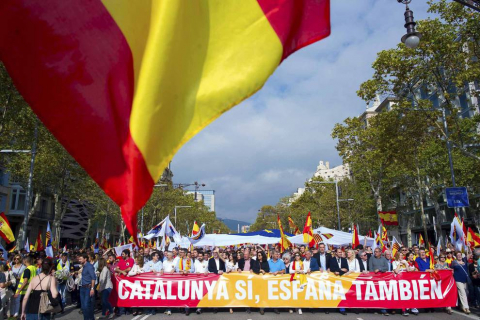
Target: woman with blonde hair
{"points": [[353, 264], [17, 269], [399, 264]]}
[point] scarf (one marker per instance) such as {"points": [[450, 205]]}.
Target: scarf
{"points": [[298, 276]]}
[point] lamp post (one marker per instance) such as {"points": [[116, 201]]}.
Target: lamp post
{"points": [[175, 212], [412, 38], [336, 194]]}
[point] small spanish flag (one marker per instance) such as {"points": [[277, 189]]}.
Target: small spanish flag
{"points": [[140, 78], [388, 218], [293, 226], [5, 229]]}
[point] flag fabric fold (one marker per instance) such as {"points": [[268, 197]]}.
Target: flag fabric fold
{"points": [[308, 232], [141, 78], [48, 241], [293, 226], [284, 242], [355, 238], [388, 218], [5, 230]]}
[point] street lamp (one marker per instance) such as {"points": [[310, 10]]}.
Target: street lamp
{"points": [[175, 211], [412, 38], [196, 184]]}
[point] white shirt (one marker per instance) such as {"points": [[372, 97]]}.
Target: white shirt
{"points": [[295, 266], [365, 264], [323, 260], [168, 266], [135, 269], [353, 265], [229, 266], [201, 267], [306, 265], [192, 265], [217, 262]]}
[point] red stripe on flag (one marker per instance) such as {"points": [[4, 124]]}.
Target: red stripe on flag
{"points": [[297, 23], [72, 64]]}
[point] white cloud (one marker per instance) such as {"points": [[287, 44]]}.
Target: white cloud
{"points": [[270, 144]]}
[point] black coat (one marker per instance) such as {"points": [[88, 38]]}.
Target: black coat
{"points": [[362, 268], [241, 263], [327, 260], [212, 266], [334, 267], [256, 266]]}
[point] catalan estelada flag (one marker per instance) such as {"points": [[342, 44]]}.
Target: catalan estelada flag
{"points": [[124, 84]]}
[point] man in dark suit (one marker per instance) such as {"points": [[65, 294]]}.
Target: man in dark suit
{"points": [[215, 264], [322, 257], [339, 266], [363, 261], [310, 264], [245, 263]]}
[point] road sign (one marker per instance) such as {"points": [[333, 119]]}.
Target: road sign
{"points": [[457, 197]]}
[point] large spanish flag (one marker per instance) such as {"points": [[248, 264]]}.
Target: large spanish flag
{"points": [[124, 84]]}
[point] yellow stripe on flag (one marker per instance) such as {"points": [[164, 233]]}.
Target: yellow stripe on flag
{"points": [[191, 65]]}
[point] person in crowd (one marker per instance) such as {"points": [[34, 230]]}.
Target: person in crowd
{"points": [[125, 264], [87, 287], [363, 261], [276, 265], [105, 287], [155, 263], [135, 271], [231, 263], [339, 266], [38, 266], [62, 274], [296, 267], [169, 268], [377, 264], [112, 263], [322, 257], [201, 267], [184, 266], [412, 264], [215, 264], [310, 264], [399, 264], [475, 277], [423, 262], [353, 263], [388, 256], [38, 284], [450, 257], [5, 293], [244, 264], [443, 265], [17, 269], [460, 273], [287, 261], [260, 265], [28, 274]]}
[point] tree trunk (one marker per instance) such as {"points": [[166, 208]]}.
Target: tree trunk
{"points": [[85, 241], [31, 212], [422, 210]]}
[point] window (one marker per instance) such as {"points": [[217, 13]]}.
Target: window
{"points": [[18, 199]]}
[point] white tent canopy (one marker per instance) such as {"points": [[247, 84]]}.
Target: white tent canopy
{"points": [[221, 240], [339, 238]]}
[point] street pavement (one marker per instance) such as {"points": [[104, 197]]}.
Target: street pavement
{"points": [[73, 314]]}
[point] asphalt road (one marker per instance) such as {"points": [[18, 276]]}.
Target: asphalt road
{"points": [[73, 314]]}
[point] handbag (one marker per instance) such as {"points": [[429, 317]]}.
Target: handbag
{"points": [[47, 303]]}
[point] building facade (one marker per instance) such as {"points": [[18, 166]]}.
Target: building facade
{"points": [[207, 196]]}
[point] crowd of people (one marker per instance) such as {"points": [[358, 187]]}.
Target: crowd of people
{"points": [[83, 278]]}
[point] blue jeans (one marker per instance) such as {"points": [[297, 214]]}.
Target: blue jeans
{"points": [[88, 303], [41, 316], [62, 290], [105, 303]]}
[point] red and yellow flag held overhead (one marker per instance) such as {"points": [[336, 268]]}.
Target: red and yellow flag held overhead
{"points": [[124, 84]]}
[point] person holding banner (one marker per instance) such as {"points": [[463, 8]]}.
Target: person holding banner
{"points": [[339, 266], [215, 264], [136, 270], [460, 273], [443, 265], [184, 266], [231, 263], [377, 264], [297, 273], [105, 287], [155, 264], [353, 264]]}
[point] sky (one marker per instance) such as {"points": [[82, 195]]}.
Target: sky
{"points": [[268, 146]]}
